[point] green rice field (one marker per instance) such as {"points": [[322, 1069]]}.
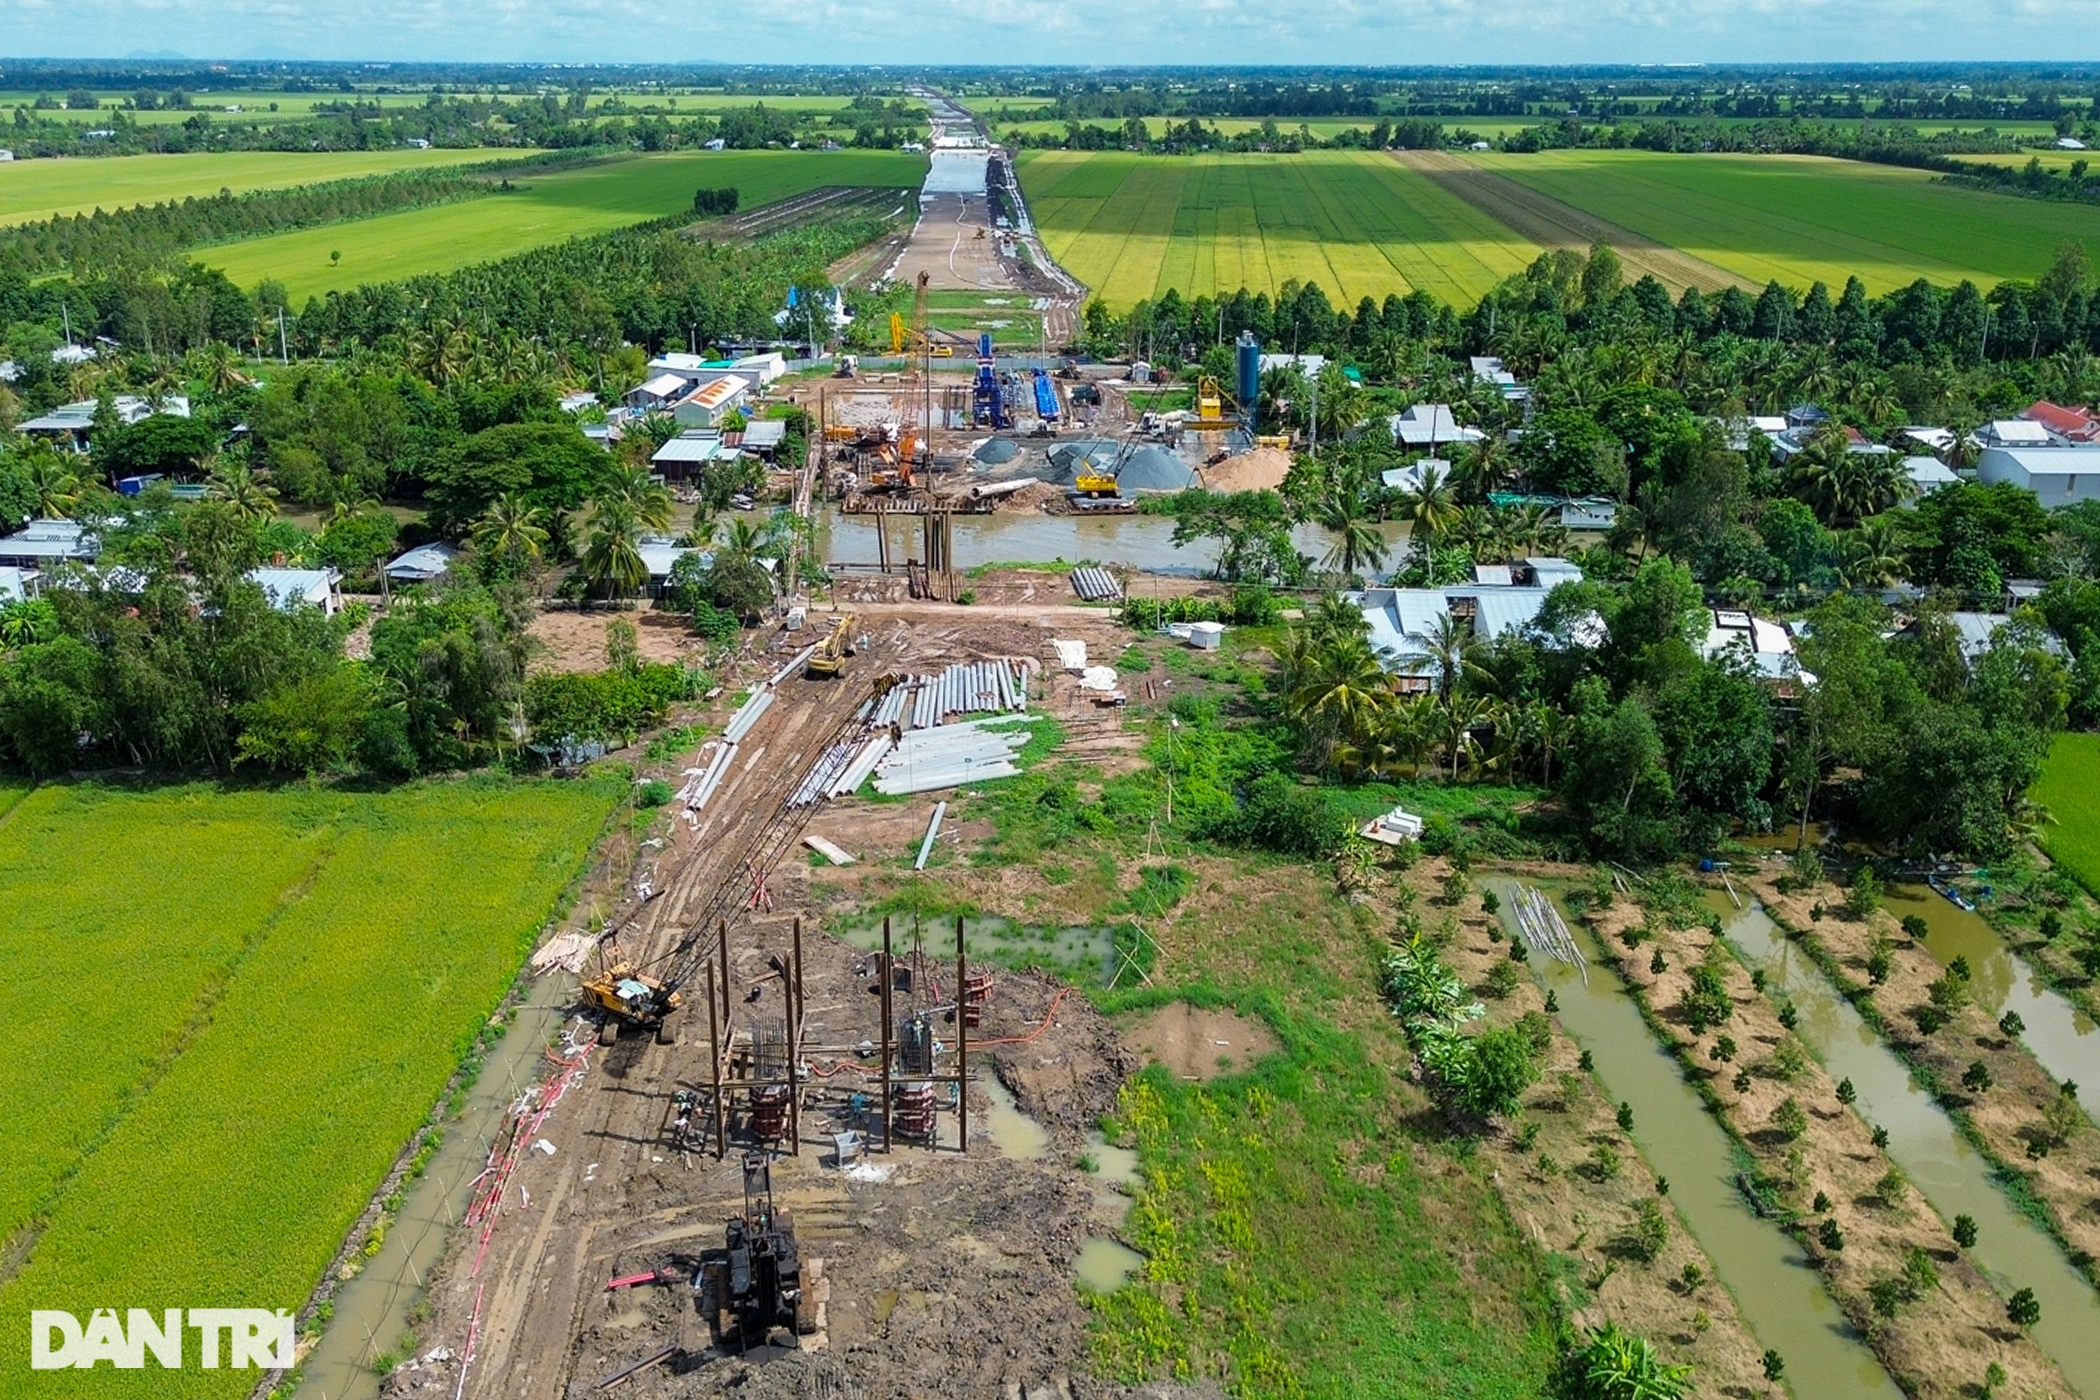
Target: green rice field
{"points": [[544, 209], [1800, 219], [231, 1010], [1356, 223], [2069, 781], [38, 189]]}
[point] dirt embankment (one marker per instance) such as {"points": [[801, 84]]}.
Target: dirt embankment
{"points": [[1938, 1342], [2012, 1109], [1552, 223], [1571, 1209]]}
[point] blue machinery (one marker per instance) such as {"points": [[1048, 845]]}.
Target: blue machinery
{"points": [[1045, 397], [988, 406]]}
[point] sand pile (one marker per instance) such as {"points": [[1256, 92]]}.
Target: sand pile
{"points": [[1263, 469]]}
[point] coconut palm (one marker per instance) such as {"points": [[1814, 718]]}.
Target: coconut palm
{"points": [[612, 561], [1871, 556], [1453, 647], [55, 480], [1357, 543], [510, 529], [248, 498], [1343, 686], [648, 500], [1455, 722], [1432, 507], [1484, 470]]}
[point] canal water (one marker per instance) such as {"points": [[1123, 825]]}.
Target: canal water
{"points": [[1781, 1297], [2063, 1038], [372, 1310], [1923, 1141], [1141, 541]]}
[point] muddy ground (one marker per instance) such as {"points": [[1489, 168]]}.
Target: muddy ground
{"points": [[946, 1273]]}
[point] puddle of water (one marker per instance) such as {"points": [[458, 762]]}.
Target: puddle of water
{"points": [[1115, 1168], [1924, 1143], [1104, 1266], [371, 1310], [1013, 1132], [1781, 1297], [2060, 1036], [1080, 955]]}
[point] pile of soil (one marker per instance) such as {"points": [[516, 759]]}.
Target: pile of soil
{"points": [[1263, 469]]}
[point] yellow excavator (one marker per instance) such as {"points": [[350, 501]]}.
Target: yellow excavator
{"points": [[829, 659]]}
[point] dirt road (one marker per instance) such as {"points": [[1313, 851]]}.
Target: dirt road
{"points": [[1550, 223], [949, 1274]]}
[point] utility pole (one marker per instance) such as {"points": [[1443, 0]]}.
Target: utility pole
{"points": [[284, 354]]}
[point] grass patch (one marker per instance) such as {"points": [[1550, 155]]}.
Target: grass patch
{"points": [[2068, 785], [1801, 219], [1355, 222], [42, 189], [285, 980], [544, 209], [1428, 1291]]}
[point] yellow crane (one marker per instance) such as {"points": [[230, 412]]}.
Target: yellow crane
{"points": [[829, 659]]}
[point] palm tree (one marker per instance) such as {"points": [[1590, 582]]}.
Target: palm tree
{"points": [[1484, 470], [1453, 644], [249, 499], [55, 483], [1357, 541], [1873, 555], [612, 559], [510, 529], [1432, 507], [647, 499], [744, 539], [1455, 723]]}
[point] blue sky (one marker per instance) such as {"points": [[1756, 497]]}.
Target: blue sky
{"points": [[1104, 32]]}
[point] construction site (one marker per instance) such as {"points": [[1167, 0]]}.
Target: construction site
{"points": [[771, 1159]]}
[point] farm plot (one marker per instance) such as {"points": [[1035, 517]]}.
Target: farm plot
{"points": [[545, 209], [1355, 223], [2069, 780], [39, 189], [1801, 219], [232, 1009]]}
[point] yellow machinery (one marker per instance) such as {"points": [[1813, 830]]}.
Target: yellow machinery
{"points": [[828, 661], [625, 996], [1211, 415], [896, 333], [1098, 484]]}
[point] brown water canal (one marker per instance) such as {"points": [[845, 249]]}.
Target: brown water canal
{"points": [[1923, 1141], [1781, 1297]]}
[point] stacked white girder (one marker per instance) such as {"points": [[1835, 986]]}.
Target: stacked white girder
{"points": [[710, 777], [747, 715], [949, 756]]}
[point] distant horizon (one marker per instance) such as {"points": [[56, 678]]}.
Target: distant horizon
{"points": [[948, 33], [2078, 70]]}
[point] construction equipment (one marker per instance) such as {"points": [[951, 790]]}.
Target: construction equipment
{"points": [[625, 994], [828, 661], [988, 406], [1211, 414], [897, 340], [755, 1281]]}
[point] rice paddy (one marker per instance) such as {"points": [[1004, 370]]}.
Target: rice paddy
{"points": [[1801, 219], [232, 1008], [543, 209], [2069, 779], [1356, 223], [39, 189]]}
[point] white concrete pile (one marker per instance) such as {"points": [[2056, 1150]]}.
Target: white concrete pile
{"points": [[1095, 584], [822, 779], [747, 715], [700, 783], [949, 756]]}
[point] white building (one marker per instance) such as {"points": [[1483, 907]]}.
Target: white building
{"points": [[423, 563], [2014, 432], [1928, 474], [1502, 599], [2058, 475], [42, 544], [1430, 425], [71, 424], [1487, 369], [1767, 646], [17, 583], [293, 588]]}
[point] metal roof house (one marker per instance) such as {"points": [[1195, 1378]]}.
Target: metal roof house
{"points": [[658, 393], [1504, 598], [1430, 425], [423, 563], [1487, 369], [43, 543], [70, 424], [689, 454], [292, 588], [2058, 475], [1975, 631], [17, 583], [1767, 646], [1928, 474], [708, 405]]}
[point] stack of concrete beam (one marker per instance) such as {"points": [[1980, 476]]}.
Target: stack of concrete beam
{"points": [[1095, 584], [705, 779], [747, 715], [949, 756]]}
